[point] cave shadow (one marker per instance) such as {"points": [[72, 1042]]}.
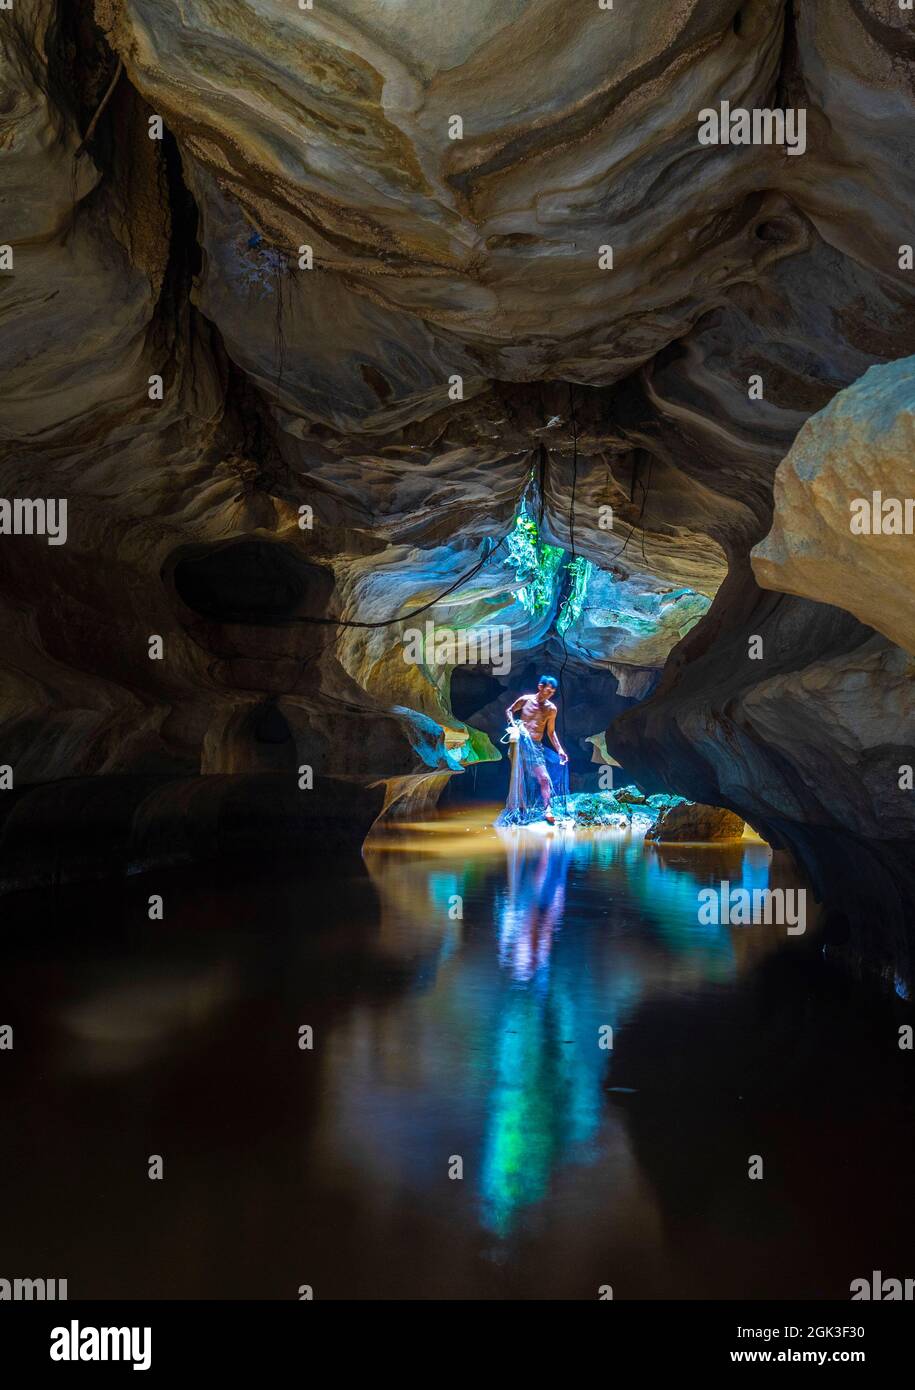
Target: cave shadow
{"points": [[798, 1067], [179, 1037]]}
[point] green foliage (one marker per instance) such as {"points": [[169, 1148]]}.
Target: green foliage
{"points": [[537, 567], [536, 564]]}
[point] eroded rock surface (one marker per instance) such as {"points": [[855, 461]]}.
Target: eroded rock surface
{"points": [[844, 525], [806, 743], [598, 393]]}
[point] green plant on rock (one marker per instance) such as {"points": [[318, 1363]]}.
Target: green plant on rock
{"points": [[536, 564]]}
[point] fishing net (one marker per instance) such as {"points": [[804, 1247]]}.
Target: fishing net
{"points": [[524, 803]]}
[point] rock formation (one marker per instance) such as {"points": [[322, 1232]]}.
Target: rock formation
{"points": [[387, 271], [689, 821], [845, 506]]}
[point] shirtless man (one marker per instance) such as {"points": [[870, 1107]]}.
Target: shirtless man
{"points": [[537, 714]]}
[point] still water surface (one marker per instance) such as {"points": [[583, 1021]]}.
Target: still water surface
{"points": [[457, 992]]}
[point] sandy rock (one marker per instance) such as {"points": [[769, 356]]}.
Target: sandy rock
{"points": [[693, 822], [844, 524]]}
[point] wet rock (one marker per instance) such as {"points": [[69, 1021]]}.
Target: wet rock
{"points": [[630, 796], [690, 821], [660, 801], [596, 809]]}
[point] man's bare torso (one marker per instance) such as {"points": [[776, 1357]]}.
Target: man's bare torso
{"points": [[535, 716]]}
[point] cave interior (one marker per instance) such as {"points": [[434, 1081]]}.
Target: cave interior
{"points": [[309, 370]]}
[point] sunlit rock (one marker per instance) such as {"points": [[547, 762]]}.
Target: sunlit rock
{"points": [[844, 525], [691, 822]]}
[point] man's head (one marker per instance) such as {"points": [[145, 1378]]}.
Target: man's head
{"points": [[546, 686]]}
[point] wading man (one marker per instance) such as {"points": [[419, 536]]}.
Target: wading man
{"points": [[536, 715]]}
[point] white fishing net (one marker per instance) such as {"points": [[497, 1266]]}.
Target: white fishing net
{"points": [[524, 803]]}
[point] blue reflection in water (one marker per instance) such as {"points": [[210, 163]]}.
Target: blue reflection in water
{"points": [[545, 1104], [556, 935], [754, 870], [531, 909]]}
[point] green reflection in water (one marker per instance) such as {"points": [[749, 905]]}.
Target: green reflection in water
{"points": [[546, 1100]]}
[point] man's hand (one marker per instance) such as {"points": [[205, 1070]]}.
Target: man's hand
{"points": [[563, 759]]}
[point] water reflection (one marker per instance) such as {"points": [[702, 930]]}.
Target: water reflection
{"points": [[457, 991], [531, 909], [540, 977]]}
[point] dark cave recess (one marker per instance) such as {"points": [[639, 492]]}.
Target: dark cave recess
{"points": [[252, 582]]}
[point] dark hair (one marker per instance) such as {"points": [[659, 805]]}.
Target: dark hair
{"points": [[549, 680]]}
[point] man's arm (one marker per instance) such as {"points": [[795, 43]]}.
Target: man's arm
{"points": [[554, 738], [510, 712]]}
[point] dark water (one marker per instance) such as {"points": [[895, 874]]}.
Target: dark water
{"points": [[439, 1037]]}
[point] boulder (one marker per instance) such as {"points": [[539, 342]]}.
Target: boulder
{"points": [[842, 529], [693, 821]]}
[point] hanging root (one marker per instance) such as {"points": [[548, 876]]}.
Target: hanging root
{"points": [[109, 93]]}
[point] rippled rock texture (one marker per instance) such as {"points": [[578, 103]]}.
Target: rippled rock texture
{"points": [[299, 360], [845, 506]]}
